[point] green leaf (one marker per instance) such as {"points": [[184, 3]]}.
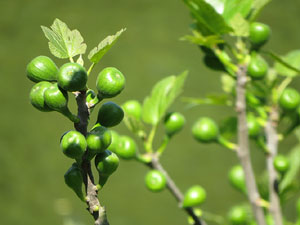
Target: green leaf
{"points": [[257, 7], [212, 99], [98, 52], [288, 65], [207, 17], [63, 42], [240, 26], [199, 39], [162, 96], [290, 176], [234, 7], [218, 5], [228, 127]]}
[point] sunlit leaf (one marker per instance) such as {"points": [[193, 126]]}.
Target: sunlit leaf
{"points": [[288, 65], [257, 7], [234, 7], [240, 26]]}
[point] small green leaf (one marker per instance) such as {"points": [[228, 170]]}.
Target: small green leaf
{"points": [[212, 99], [240, 26], [162, 96], [257, 7], [228, 127], [234, 7], [199, 39], [288, 65], [290, 176], [63, 42], [208, 17], [98, 52]]}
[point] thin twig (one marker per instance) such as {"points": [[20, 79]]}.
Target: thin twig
{"points": [[94, 206], [155, 164], [243, 143], [272, 143]]}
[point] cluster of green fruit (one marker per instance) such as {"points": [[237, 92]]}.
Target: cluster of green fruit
{"points": [[51, 94]]}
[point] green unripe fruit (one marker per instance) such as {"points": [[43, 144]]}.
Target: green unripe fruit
{"points": [[74, 180], [258, 67], [73, 144], [194, 196], [155, 181], [115, 141], [126, 148], [133, 109], [110, 114], [238, 216], [289, 99], [236, 178], [259, 33], [42, 68], [37, 98], [98, 140], [281, 164], [72, 77], [106, 163], [110, 82], [254, 127], [205, 130], [173, 123]]}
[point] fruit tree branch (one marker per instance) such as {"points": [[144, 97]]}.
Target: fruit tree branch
{"points": [[272, 144], [243, 145], [155, 164], [94, 206]]}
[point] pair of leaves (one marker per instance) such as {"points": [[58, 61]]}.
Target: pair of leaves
{"points": [[65, 43], [162, 96]]}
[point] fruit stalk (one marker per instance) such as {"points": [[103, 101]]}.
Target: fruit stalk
{"points": [[94, 206], [272, 144], [155, 164], [243, 145]]}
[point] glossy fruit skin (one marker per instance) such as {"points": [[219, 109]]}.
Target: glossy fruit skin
{"points": [[127, 148], [254, 127], [155, 181], [238, 216], [72, 77], [257, 68], [42, 68], [56, 98], [133, 108], [98, 140], [259, 33], [194, 196], [73, 178], [236, 178], [106, 163], [115, 141], [73, 144], [37, 98], [173, 123], [281, 164], [110, 114], [110, 82], [289, 99], [205, 130]]}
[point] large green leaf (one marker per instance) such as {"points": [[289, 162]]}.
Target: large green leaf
{"points": [[234, 7], [98, 52], [228, 127], [218, 5], [240, 26], [162, 96], [257, 7], [63, 42], [207, 16], [288, 65], [290, 176]]}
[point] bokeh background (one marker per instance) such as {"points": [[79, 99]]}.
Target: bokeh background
{"points": [[32, 189]]}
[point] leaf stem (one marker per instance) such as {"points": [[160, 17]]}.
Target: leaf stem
{"points": [[149, 141], [90, 69], [163, 145]]}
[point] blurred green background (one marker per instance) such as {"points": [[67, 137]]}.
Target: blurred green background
{"points": [[32, 190]]}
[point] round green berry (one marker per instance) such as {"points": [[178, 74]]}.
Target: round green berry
{"points": [[289, 99], [110, 82], [110, 114], [127, 148], [194, 196], [205, 130], [259, 33], [106, 163], [98, 140], [257, 68], [173, 123], [73, 144], [253, 125], [37, 97], [236, 178], [133, 109], [281, 164], [238, 216], [155, 181]]}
